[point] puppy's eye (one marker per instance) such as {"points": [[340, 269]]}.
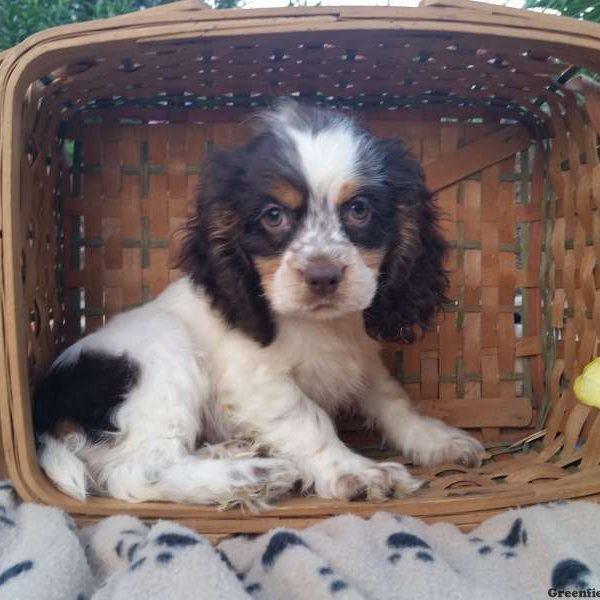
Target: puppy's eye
{"points": [[358, 212], [275, 218]]}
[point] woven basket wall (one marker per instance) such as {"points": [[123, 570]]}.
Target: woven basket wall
{"points": [[104, 127]]}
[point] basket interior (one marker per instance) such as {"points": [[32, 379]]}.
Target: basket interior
{"points": [[128, 187], [113, 138]]}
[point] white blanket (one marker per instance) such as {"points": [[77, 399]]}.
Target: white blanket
{"points": [[532, 553]]}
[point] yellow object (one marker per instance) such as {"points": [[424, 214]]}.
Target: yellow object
{"points": [[587, 385]]}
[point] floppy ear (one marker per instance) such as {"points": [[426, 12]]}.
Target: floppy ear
{"points": [[213, 255], [412, 282]]}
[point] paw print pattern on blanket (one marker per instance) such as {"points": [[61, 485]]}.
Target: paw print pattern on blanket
{"points": [[287, 539], [162, 548], [40, 553], [164, 561], [516, 536], [286, 566], [405, 541], [570, 574], [15, 570], [345, 558]]}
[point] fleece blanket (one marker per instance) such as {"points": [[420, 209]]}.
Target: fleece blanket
{"points": [[551, 550]]}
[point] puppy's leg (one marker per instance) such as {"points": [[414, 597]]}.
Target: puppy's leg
{"points": [[423, 440], [158, 417], [153, 456], [277, 413], [252, 481]]}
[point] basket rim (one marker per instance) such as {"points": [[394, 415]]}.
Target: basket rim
{"points": [[467, 16]]}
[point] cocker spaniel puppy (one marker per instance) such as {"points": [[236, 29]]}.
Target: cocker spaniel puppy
{"points": [[309, 244]]}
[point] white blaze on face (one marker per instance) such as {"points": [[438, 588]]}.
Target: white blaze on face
{"points": [[328, 161]]}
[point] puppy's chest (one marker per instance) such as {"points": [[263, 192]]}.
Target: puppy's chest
{"points": [[330, 370], [331, 381]]}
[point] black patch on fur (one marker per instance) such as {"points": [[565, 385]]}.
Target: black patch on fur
{"points": [[130, 532], [86, 391], [119, 548], [508, 554], [277, 544], [164, 557], [6, 521], [516, 535], [485, 549], [6, 487], [475, 540], [325, 571], [337, 586], [253, 587], [406, 540], [570, 573], [412, 282], [394, 558], [15, 570], [176, 540]]}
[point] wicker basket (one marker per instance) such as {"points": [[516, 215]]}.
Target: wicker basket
{"points": [[104, 127]]}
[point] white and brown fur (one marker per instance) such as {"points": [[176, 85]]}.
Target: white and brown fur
{"points": [[222, 389]]}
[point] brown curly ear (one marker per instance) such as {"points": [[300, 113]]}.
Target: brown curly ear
{"points": [[412, 282], [213, 254]]}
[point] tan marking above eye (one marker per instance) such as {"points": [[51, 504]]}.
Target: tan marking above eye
{"points": [[286, 194], [347, 192]]}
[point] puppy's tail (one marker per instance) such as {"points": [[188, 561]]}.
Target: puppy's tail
{"points": [[59, 459]]}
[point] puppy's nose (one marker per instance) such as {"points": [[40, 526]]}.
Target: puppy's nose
{"points": [[323, 279]]}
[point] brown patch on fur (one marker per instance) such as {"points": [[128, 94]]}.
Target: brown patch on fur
{"points": [[267, 267], [347, 192], [64, 428], [287, 194], [223, 225], [409, 236], [372, 257]]}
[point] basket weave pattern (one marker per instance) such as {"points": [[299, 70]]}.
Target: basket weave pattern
{"points": [[104, 130]]}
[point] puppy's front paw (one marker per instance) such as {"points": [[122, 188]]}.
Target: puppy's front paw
{"points": [[371, 481], [433, 443], [256, 482]]}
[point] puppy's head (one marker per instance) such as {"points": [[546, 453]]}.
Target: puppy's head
{"points": [[317, 218]]}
